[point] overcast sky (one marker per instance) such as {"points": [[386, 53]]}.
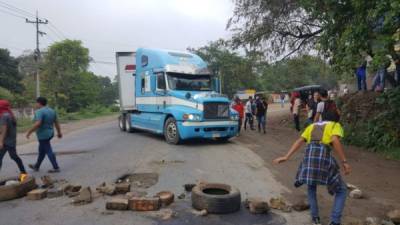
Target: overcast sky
{"points": [[107, 26]]}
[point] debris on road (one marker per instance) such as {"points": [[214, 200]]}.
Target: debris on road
{"points": [[166, 197], [132, 194], [11, 183], [55, 192], [257, 206], [139, 180], [189, 187], [122, 188], [277, 203], [164, 214], [301, 205], [47, 182], [372, 221], [351, 186], [182, 196], [37, 194], [200, 212], [84, 197], [356, 194], [71, 190], [117, 204], [144, 204], [107, 189], [394, 216]]}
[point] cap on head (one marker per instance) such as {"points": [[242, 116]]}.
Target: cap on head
{"points": [[323, 93]]}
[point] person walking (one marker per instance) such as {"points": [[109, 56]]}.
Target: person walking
{"points": [[239, 107], [261, 111], [361, 74], [311, 107], [282, 97], [249, 114], [326, 109], [296, 110], [319, 167], [8, 136], [45, 120]]}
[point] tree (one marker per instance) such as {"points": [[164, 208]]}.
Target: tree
{"points": [[300, 71], [341, 30], [108, 91], [65, 75], [10, 78], [236, 72]]}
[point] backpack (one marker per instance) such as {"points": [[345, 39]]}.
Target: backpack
{"points": [[330, 112]]}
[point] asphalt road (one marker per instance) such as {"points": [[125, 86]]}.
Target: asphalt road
{"points": [[102, 153]]}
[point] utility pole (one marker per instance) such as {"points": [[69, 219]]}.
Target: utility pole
{"points": [[37, 51]]}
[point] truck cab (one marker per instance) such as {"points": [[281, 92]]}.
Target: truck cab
{"points": [[172, 93]]}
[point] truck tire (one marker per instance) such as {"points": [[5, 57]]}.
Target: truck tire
{"points": [[121, 122], [128, 124], [16, 190], [216, 198], [171, 132]]}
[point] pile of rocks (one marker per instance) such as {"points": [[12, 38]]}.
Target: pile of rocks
{"points": [[260, 206]]}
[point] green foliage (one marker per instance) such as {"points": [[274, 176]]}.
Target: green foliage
{"points": [[345, 31], [9, 76], [296, 72], [236, 72], [380, 130], [6, 94]]}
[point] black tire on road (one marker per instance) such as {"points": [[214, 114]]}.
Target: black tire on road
{"points": [[216, 203], [171, 132], [121, 122], [128, 124], [17, 190]]}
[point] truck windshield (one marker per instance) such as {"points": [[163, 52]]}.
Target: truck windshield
{"points": [[189, 82]]}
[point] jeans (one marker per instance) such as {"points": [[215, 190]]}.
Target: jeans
{"points": [[261, 122], [362, 83], [12, 152], [45, 149], [249, 119], [282, 103], [338, 205], [296, 120], [379, 80]]}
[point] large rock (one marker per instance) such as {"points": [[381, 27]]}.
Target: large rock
{"points": [[277, 203], [258, 207], [301, 205], [394, 216], [47, 182], [356, 194], [117, 204], [122, 188], [107, 189], [37, 194], [372, 221], [166, 197], [84, 197]]}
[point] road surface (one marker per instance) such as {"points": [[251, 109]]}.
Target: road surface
{"points": [[102, 153]]}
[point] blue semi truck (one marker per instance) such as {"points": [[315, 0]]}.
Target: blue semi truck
{"points": [[174, 94]]}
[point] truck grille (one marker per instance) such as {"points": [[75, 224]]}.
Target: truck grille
{"points": [[216, 110]]}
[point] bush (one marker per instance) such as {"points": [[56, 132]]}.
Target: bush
{"points": [[372, 120], [6, 94]]}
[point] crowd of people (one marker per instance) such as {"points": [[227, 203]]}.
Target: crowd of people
{"points": [[254, 109], [45, 119]]}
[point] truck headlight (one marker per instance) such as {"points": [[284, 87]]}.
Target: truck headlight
{"points": [[193, 117]]}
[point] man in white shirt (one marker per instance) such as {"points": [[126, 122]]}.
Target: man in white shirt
{"points": [[249, 114]]}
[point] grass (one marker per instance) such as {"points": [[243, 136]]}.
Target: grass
{"points": [[23, 124]]}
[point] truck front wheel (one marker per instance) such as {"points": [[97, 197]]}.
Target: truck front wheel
{"points": [[171, 132], [121, 122]]}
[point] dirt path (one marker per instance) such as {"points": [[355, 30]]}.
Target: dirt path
{"points": [[70, 127], [376, 176]]}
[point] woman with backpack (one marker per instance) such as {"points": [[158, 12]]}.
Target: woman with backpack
{"points": [[319, 167]]}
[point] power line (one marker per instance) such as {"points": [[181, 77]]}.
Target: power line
{"points": [[11, 14], [16, 9], [58, 31]]}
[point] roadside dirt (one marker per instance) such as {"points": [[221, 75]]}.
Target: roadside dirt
{"points": [[70, 127], [376, 176]]}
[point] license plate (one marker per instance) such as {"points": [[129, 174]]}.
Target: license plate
{"points": [[216, 135]]}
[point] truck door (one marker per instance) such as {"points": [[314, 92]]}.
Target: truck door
{"points": [[126, 71], [161, 91]]}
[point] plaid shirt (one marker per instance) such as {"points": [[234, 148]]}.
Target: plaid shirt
{"points": [[319, 167]]}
